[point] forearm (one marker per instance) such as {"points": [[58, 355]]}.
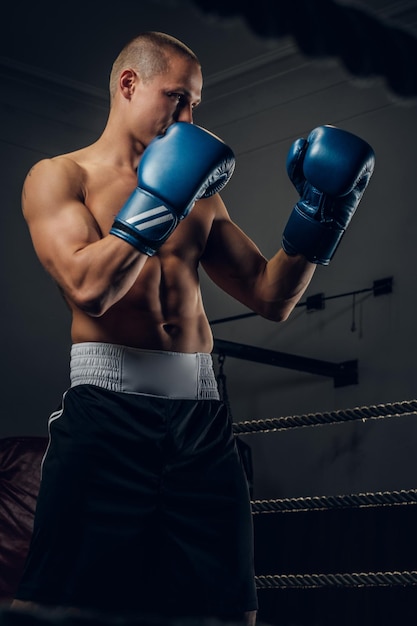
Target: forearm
{"points": [[100, 274], [282, 284]]}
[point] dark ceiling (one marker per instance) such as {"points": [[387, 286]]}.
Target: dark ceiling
{"points": [[365, 45], [79, 40]]}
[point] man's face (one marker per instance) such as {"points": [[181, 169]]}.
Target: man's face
{"points": [[167, 98]]}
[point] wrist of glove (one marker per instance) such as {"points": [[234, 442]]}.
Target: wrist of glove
{"points": [[144, 222], [314, 240]]}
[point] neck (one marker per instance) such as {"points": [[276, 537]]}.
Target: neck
{"points": [[119, 145]]}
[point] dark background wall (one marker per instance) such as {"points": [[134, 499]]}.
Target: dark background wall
{"points": [[268, 81]]}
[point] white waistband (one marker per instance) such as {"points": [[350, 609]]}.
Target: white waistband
{"points": [[151, 372]]}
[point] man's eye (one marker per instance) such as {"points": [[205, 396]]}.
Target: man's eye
{"points": [[179, 97]]}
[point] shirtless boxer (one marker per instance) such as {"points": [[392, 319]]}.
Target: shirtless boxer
{"points": [[143, 504]]}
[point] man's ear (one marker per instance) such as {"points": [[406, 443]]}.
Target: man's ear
{"points": [[127, 82]]}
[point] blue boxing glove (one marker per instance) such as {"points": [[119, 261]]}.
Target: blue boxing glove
{"points": [[330, 170], [176, 169]]}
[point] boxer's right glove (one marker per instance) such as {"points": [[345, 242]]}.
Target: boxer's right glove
{"points": [[176, 169], [330, 170]]}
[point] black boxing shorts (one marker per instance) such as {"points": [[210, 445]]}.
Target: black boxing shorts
{"points": [[143, 505]]}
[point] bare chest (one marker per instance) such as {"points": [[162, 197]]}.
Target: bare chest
{"points": [[106, 193]]}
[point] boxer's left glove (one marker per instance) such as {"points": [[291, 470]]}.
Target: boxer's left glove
{"points": [[330, 170], [176, 169]]}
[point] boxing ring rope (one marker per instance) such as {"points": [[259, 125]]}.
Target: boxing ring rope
{"points": [[325, 503], [321, 503], [315, 581], [363, 413]]}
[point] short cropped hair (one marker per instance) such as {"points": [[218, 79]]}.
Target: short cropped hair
{"points": [[148, 54]]}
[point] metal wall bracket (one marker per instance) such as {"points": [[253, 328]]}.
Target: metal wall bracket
{"points": [[345, 373], [382, 286]]}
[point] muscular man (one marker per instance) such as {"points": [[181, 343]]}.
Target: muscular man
{"points": [[143, 505]]}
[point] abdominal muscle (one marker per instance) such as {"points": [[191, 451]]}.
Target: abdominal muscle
{"points": [[162, 311], [144, 331]]}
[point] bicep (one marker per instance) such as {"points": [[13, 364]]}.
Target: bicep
{"points": [[58, 220]]}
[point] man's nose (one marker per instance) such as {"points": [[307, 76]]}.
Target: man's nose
{"points": [[186, 114]]}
